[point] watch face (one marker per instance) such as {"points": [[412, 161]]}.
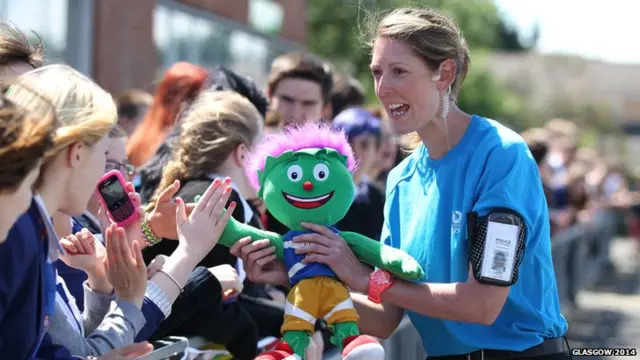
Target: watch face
{"points": [[380, 277]]}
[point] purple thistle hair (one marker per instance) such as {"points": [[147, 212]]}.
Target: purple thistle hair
{"points": [[306, 136]]}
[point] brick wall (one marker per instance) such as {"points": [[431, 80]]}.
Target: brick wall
{"points": [[236, 10], [294, 26], [124, 55]]}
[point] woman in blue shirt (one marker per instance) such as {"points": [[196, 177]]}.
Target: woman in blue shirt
{"points": [[468, 204]]}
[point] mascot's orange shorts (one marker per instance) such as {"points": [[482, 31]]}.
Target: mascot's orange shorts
{"points": [[318, 297]]}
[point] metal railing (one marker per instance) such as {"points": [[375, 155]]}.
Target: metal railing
{"points": [[580, 257]]}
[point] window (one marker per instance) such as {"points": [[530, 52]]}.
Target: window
{"points": [[46, 17], [182, 33], [51, 19]]}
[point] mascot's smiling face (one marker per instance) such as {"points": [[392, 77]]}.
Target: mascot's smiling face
{"points": [[308, 185]]}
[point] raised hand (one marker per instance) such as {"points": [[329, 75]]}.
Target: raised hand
{"points": [[125, 266], [162, 218], [200, 231]]}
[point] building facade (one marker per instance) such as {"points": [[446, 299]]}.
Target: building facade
{"points": [[126, 44]]}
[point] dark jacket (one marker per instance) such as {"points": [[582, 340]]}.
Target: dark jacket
{"points": [[366, 214], [27, 290]]}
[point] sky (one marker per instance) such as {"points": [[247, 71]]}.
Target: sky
{"points": [[605, 30]]}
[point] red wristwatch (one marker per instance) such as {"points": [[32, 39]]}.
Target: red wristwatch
{"points": [[379, 281]]}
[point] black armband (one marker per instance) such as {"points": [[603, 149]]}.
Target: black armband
{"points": [[496, 246]]}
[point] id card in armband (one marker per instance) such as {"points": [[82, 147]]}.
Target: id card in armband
{"points": [[497, 248]]}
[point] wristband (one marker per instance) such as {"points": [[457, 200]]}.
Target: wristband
{"points": [[148, 234]]}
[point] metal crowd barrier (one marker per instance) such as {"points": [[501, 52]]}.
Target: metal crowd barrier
{"points": [[580, 258]]}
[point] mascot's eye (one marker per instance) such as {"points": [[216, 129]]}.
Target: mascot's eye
{"points": [[294, 172], [321, 172]]}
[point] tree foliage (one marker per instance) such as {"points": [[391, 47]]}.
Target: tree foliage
{"points": [[338, 29]]}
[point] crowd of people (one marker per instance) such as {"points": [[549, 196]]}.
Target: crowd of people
{"points": [[61, 132], [75, 285], [579, 182]]}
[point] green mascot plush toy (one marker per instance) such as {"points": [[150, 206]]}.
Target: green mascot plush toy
{"points": [[306, 175]]}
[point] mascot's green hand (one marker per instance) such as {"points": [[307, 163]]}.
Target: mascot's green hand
{"points": [[374, 253], [400, 264]]}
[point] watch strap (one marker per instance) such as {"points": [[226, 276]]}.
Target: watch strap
{"points": [[379, 281]]}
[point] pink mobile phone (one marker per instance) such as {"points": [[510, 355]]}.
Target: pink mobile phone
{"points": [[115, 199]]}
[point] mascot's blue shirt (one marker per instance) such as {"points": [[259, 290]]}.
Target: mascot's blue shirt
{"points": [[295, 267]]}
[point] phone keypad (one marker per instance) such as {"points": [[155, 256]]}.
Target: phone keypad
{"points": [[123, 212]]}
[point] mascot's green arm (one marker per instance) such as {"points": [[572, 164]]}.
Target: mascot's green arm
{"points": [[236, 230], [377, 254]]}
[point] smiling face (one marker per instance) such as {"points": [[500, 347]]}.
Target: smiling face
{"points": [[310, 185], [405, 85]]}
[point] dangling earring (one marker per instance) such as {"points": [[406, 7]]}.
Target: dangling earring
{"points": [[446, 103]]}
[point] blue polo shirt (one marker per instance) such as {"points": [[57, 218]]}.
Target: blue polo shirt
{"points": [[425, 215]]}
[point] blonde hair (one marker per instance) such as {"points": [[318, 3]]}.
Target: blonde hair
{"points": [[432, 36], [84, 112], [216, 123]]}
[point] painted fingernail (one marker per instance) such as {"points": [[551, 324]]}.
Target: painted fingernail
{"points": [[227, 190], [227, 180], [216, 182]]}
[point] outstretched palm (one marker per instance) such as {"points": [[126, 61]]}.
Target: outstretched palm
{"points": [[201, 230]]}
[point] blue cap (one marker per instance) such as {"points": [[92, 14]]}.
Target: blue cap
{"points": [[356, 121]]}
